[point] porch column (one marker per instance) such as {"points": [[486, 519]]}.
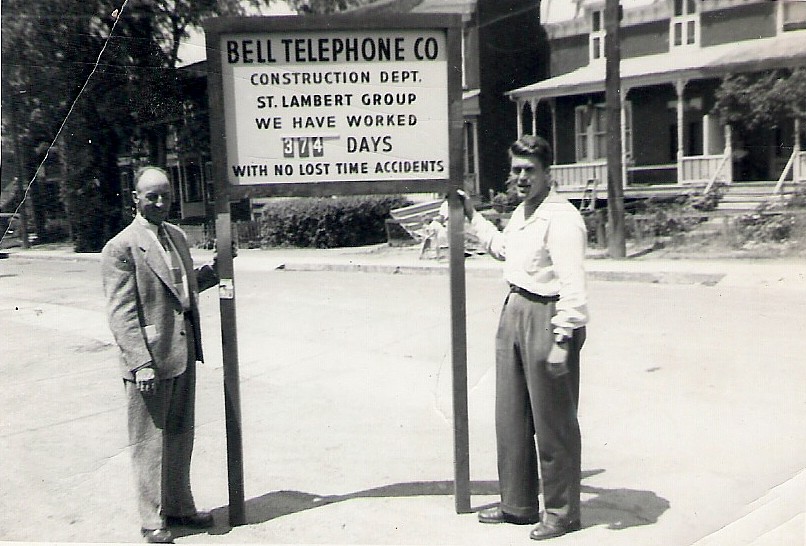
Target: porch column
{"points": [[553, 107], [520, 116], [680, 87], [533, 105], [729, 154], [623, 133], [796, 150]]}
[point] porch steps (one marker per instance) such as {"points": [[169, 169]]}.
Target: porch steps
{"points": [[748, 196]]}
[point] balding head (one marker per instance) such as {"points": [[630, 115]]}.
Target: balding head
{"points": [[152, 194]]}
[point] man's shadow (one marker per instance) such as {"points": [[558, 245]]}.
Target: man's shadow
{"points": [[616, 508]]}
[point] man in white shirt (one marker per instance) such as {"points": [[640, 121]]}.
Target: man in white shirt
{"points": [[540, 334]]}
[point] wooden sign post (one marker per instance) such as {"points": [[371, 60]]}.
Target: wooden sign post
{"points": [[338, 105]]}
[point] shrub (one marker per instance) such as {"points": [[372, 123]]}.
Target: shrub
{"points": [[506, 201], [327, 222], [798, 198], [57, 229], [709, 200], [764, 228]]}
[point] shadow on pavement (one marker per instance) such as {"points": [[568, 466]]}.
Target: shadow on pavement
{"points": [[616, 508]]}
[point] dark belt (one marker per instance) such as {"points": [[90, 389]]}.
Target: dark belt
{"points": [[531, 296]]}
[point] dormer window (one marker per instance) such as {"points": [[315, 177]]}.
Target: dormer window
{"points": [[684, 27], [791, 15], [597, 36]]}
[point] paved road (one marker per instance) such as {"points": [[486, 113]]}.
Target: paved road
{"points": [[692, 410]]}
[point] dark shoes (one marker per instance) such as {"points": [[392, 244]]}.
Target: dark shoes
{"points": [[157, 536], [199, 520], [545, 530], [496, 515]]}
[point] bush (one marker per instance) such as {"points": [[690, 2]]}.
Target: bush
{"points": [[327, 222], [764, 227], [709, 200], [798, 198], [57, 229], [506, 201]]}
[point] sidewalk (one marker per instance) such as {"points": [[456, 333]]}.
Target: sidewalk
{"points": [[381, 258]]}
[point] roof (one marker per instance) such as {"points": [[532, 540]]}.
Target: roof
{"points": [[787, 50], [557, 11]]}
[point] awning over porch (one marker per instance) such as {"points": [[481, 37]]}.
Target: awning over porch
{"points": [[788, 50]]}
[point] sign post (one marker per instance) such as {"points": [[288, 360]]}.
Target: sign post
{"points": [[340, 105]]}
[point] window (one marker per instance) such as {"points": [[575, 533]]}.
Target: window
{"points": [[792, 15], [597, 37], [193, 186], [591, 132], [470, 148], [684, 27]]}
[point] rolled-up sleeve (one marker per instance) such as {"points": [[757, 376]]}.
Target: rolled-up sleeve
{"points": [[566, 241]]}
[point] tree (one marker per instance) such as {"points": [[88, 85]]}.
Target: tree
{"points": [[762, 99], [325, 6], [86, 79]]}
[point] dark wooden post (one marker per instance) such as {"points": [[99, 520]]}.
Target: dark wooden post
{"points": [[616, 243]]}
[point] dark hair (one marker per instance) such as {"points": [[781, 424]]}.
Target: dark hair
{"points": [[532, 146]]}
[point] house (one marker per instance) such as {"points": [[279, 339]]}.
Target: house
{"points": [[674, 55]]}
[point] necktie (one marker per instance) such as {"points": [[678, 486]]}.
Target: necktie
{"points": [[175, 266]]}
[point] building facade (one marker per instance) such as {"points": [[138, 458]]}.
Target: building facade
{"points": [[674, 56]]}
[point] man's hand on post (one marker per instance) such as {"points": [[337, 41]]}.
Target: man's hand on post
{"points": [[146, 380], [467, 203]]}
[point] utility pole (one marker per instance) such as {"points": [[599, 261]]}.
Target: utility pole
{"points": [[616, 244]]}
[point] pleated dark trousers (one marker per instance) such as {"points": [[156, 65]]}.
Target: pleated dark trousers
{"points": [[161, 436], [528, 403]]}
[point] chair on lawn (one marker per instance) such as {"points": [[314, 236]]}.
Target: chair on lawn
{"points": [[425, 223]]}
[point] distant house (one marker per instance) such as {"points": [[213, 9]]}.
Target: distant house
{"points": [[503, 47], [674, 55]]}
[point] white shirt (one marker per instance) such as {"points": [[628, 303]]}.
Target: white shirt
{"points": [[545, 255]]}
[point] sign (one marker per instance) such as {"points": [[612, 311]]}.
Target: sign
{"points": [[337, 105], [347, 105]]}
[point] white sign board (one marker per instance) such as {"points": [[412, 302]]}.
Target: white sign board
{"points": [[324, 106]]}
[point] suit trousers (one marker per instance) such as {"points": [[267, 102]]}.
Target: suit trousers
{"points": [[530, 402], [161, 434]]}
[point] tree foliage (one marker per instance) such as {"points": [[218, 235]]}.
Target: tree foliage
{"points": [[763, 99]]}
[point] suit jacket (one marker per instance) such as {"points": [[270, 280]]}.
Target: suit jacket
{"points": [[143, 308]]}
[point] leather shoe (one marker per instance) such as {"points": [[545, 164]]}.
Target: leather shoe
{"points": [[157, 536], [545, 530], [199, 520], [496, 515]]}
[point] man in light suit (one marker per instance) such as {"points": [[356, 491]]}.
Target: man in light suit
{"points": [[152, 292]]}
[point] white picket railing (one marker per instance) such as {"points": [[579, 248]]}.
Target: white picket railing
{"points": [[704, 168], [576, 175]]}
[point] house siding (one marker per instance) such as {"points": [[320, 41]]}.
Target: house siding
{"points": [[568, 54], [747, 22], [647, 39]]}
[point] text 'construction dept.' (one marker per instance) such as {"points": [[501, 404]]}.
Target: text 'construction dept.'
{"points": [[329, 106]]}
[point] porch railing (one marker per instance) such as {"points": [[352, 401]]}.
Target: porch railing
{"points": [[576, 175], [704, 169]]}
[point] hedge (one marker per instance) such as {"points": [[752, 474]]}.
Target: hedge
{"points": [[327, 222]]}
